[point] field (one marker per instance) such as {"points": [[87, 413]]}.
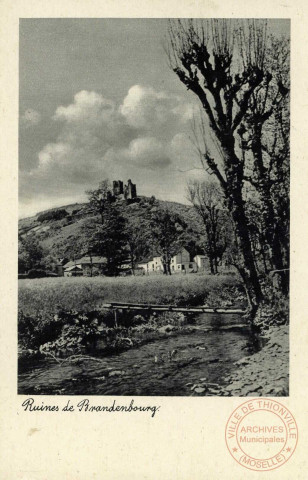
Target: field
{"points": [[85, 294]]}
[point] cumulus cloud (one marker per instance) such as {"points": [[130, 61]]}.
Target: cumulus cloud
{"points": [[143, 107], [89, 107], [99, 138], [144, 152], [91, 126], [54, 153], [30, 117]]}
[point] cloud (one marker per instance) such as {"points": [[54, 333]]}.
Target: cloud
{"points": [[88, 107], [145, 108], [145, 152], [100, 139], [54, 153], [30, 117]]}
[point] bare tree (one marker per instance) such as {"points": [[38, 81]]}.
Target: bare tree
{"points": [[167, 231], [265, 142], [207, 59], [206, 198]]}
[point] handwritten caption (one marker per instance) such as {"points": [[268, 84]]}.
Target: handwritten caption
{"points": [[86, 405]]}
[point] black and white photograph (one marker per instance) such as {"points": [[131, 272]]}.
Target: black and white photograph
{"points": [[154, 207]]}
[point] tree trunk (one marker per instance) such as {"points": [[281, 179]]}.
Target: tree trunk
{"points": [[211, 264], [263, 187], [234, 174], [250, 273], [168, 268], [215, 265], [132, 262]]}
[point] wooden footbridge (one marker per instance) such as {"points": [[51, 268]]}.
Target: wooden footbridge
{"points": [[171, 308]]}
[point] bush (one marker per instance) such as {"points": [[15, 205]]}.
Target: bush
{"points": [[36, 273], [51, 274], [34, 331], [63, 333]]}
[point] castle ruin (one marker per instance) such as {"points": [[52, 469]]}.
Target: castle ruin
{"points": [[126, 192]]}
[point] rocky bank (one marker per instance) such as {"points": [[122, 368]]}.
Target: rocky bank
{"points": [[265, 373]]}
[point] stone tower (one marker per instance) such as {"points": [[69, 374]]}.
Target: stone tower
{"points": [[117, 188], [130, 190]]}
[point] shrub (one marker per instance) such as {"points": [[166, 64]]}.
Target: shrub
{"points": [[33, 331], [36, 273], [63, 332]]}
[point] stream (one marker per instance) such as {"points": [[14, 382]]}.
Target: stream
{"points": [[164, 367]]}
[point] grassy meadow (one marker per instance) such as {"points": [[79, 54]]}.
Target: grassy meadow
{"points": [[85, 293]]}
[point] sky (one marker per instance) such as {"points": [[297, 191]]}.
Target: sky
{"points": [[98, 100]]}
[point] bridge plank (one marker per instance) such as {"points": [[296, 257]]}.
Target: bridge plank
{"points": [[172, 308]]}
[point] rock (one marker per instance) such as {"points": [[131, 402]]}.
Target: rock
{"points": [[234, 386], [279, 392], [242, 362], [116, 373], [214, 360], [166, 328], [214, 391], [188, 384], [199, 389], [203, 379], [268, 390], [194, 386]]}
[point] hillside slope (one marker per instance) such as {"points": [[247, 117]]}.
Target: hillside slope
{"points": [[59, 238]]}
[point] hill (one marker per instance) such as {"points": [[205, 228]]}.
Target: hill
{"points": [[59, 230]]}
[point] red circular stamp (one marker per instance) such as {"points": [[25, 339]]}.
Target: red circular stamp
{"points": [[261, 434]]}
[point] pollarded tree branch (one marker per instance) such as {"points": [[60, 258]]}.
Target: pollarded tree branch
{"points": [[194, 85], [244, 103], [214, 167]]}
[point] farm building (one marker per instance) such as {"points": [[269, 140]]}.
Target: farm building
{"points": [[180, 263], [84, 266]]}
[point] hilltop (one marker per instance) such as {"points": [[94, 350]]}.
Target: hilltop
{"points": [[59, 236]]}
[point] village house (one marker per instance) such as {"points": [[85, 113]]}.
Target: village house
{"points": [[180, 263], [201, 261], [85, 266]]}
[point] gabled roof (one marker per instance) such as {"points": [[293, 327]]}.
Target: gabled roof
{"points": [[73, 267], [87, 260], [145, 260], [70, 264]]}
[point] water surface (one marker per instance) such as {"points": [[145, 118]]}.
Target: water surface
{"points": [[161, 367]]}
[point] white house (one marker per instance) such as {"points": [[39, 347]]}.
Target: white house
{"points": [[155, 265], [180, 263], [201, 262]]}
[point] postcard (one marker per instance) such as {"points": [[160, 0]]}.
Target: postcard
{"points": [[153, 241]]}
